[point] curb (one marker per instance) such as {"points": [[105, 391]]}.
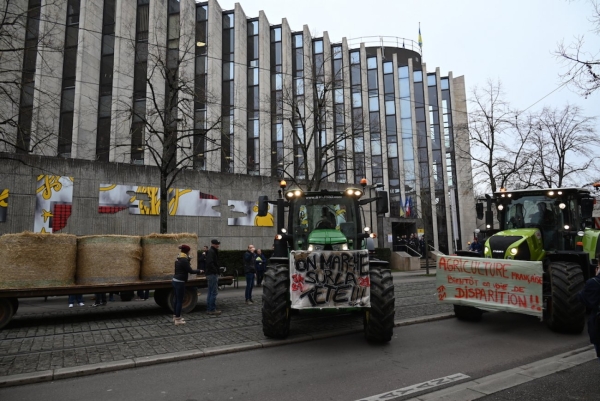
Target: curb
{"points": [[484, 386], [113, 366]]}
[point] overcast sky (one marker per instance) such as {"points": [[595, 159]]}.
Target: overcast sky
{"points": [[508, 40]]}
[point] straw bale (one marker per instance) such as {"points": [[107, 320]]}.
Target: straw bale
{"points": [[33, 260], [108, 259], [160, 253]]}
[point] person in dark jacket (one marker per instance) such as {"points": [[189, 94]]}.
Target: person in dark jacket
{"points": [[476, 246], [590, 297], [182, 270], [212, 276], [249, 270], [260, 265]]}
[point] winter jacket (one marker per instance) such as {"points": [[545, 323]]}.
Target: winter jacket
{"points": [[260, 263], [212, 261], [183, 268], [249, 262], [590, 297]]}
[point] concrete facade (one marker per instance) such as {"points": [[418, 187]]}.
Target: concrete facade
{"points": [[456, 217]]}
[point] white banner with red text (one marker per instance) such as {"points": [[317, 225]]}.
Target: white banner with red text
{"points": [[491, 284]]}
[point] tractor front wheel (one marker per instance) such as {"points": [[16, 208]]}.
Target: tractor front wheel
{"points": [[379, 319], [276, 302], [564, 313]]}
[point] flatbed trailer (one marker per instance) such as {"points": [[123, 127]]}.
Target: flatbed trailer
{"points": [[164, 294]]}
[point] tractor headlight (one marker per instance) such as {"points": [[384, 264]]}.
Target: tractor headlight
{"points": [[311, 248], [486, 249], [315, 247], [513, 251]]}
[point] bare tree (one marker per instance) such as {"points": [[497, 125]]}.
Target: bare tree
{"points": [[172, 128], [563, 143], [498, 138], [583, 66], [319, 129], [27, 38]]}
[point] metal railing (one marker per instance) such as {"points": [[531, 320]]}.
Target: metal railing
{"points": [[384, 41]]}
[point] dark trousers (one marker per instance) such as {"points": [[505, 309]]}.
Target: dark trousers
{"points": [[179, 287], [100, 298], [259, 277], [143, 294], [249, 286]]}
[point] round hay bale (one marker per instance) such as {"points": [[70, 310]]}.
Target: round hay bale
{"points": [[108, 259], [160, 253], [34, 260]]}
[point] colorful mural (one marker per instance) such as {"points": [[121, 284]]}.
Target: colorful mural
{"points": [[146, 201], [251, 218], [3, 205], [54, 198]]}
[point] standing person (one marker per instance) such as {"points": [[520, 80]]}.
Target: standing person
{"points": [[212, 276], [143, 295], [100, 299], [249, 270], [590, 297], [76, 298], [202, 260], [182, 271], [260, 266]]}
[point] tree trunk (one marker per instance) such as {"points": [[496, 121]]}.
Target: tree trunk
{"points": [[164, 205]]}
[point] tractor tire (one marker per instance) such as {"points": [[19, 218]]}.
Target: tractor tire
{"points": [[276, 302], [160, 297], [467, 313], [564, 313], [190, 300], [379, 319]]}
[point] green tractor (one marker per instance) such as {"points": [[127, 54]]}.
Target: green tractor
{"points": [[551, 226], [320, 261]]}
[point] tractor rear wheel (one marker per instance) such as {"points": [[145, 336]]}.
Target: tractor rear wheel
{"points": [[564, 313], [467, 313], [276, 302], [379, 319]]}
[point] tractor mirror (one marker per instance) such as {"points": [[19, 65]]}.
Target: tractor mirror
{"points": [[479, 210], [587, 207], [263, 205], [381, 204]]}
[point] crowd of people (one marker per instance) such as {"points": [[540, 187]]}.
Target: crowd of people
{"points": [[414, 245]]}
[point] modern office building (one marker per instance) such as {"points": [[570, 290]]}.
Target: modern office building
{"points": [[187, 84]]}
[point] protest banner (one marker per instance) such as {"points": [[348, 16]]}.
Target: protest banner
{"points": [[329, 279], [491, 284]]}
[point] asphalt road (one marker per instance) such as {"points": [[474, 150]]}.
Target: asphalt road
{"points": [[340, 368]]}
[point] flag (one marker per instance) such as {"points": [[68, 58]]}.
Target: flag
{"points": [[420, 38], [407, 206]]}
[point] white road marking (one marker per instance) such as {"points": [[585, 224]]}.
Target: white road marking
{"points": [[416, 387]]}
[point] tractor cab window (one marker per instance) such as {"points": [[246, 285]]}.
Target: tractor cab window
{"points": [[324, 213]]}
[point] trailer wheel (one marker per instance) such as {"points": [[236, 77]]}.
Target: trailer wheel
{"points": [[467, 313], [190, 300], [564, 313], [160, 297], [6, 311], [126, 296], [379, 319], [15, 304], [276, 302]]}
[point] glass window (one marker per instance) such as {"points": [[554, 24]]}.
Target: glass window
{"points": [[299, 86], [371, 62], [277, 81], [431, 80], [339, 95], [375, 147], [373, 104], [357, 100], [68, 99], [445, 83], [405, 108], [390, 107], [72, 32], [228, 21], [201, 13], [108, 44], [406, 125], [337, 52], [407, 149], [388, 67], [359, 144], [403, 72], [298, 40], [388, 83], [318, 46], [404, 87], [418, 76], [372, 79], [252, 28], [355, 58], [355, 75], [276, 35], [104, 107], [227, 71]]}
